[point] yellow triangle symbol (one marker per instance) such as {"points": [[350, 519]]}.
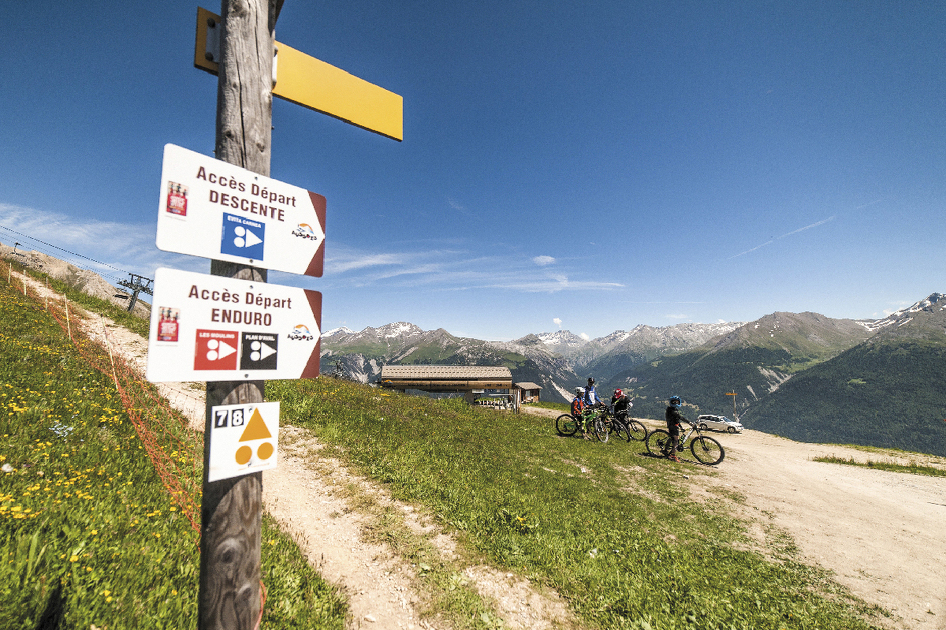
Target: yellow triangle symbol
{"points": [[256, 428]]}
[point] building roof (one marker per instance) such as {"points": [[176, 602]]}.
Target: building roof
{"points": [[447, 372], [528, 385]]}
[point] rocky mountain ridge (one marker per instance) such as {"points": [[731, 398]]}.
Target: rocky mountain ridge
{"points": [[756, 358]]}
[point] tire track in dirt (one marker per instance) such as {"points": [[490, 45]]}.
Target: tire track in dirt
{"points": [[307, 494], [879, 533]]}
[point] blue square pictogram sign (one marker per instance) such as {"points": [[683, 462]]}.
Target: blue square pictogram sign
{"points": [[242, 237]]}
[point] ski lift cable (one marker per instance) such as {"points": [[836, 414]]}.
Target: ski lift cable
{"points": [[98, 262]]}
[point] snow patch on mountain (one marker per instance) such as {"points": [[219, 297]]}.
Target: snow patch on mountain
{"points": [[905, 315], [337, 331]]}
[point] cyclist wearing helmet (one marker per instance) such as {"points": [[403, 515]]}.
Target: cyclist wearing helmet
{"points": [[591, 396], [622, 404], [674, 419], [578, 404]]}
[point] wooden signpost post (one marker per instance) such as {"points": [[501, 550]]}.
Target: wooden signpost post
{"points": [[231, 509]]}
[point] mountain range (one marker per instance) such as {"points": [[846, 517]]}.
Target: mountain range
{"points": [[802, 375]]}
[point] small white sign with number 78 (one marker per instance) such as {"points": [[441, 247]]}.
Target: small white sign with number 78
{"points": [[243, 439]]}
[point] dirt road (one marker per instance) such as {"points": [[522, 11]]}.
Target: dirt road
{"points": [[880, 533]]}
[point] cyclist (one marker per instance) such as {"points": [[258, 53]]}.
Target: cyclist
{"points": [[674, 420], [591, 402], [578, 403], [578, 408], [621, 403], [591, 396]]}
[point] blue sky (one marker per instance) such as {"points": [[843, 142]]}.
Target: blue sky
{"points": [[586, 166]]}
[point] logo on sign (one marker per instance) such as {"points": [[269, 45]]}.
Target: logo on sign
{"points": [[242, 237], [243, 439], [177, 199], [216, 350], [259, 351], [301, 333], [304, 230]]}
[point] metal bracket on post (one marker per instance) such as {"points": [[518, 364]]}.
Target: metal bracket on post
{"points": [[207, 47]]}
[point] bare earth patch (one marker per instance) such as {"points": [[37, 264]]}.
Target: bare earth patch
{"points": [[878, 532], [310, 496]]}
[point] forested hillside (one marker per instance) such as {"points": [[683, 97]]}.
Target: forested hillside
{"points": [[889, 391], [880, 394]]}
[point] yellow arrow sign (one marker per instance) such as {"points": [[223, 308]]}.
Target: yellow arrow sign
{"points": [[315, 84]]}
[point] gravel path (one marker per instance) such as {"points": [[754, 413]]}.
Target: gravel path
{"points": [[880, 533]]}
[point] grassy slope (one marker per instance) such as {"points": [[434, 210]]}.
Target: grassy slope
{"points": [[609, 528], [88, 533]]}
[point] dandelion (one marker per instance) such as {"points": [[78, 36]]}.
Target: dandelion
{"points": [[74, 559]]}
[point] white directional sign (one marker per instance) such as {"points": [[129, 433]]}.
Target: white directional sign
{"points": [[216, 210], [243, 439], [211, 328]]}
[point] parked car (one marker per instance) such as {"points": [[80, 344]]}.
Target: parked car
{"points": [[719, 423]]}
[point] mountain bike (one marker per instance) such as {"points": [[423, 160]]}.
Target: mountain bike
{"points": [[704, 448], [603, 424], [567, 424], [592, 421], [633, 430], [628, 429]]}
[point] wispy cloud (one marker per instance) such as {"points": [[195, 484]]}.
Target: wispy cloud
{"points": [[453, 203], [558, 322], [452, 270], [543, 261], [749, 251], [807, 227], [110, 248], [787, 234]]}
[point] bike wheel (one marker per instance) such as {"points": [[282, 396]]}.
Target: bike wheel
{"points": [[707, 450], [602, 430], [566, 425], [637, 431], [659, 443], [620, 430]]}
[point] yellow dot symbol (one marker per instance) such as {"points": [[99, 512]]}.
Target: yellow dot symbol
{"points": [[265, 450], [243, 455]]}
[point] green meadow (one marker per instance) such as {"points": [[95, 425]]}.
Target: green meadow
{"points": [[611, 529], [89, 534]]}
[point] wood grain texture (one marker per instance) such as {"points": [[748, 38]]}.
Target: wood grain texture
{"points": [[231, 509]]}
